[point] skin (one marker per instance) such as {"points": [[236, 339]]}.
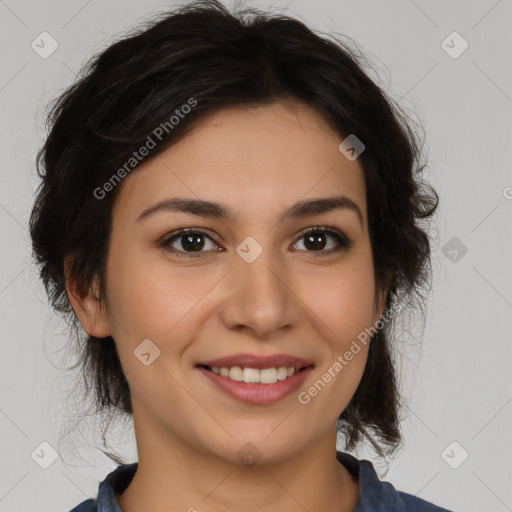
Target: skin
{"points": [[259, 161]]}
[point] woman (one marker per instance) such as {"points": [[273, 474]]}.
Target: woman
{"points": [[229, 210]]}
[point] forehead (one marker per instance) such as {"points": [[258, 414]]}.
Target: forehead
{"points": [[258, 159]]}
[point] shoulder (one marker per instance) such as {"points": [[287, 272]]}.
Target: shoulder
{"points": [[380, 496], [86, 506], [414, 504], [114, 483]]}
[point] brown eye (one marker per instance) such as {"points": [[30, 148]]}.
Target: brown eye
{"points": [[193, 242], [316, 240], [189, 241]]}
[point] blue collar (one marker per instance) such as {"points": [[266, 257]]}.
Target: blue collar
{"points": [[375, 495]]}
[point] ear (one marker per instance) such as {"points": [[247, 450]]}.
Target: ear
{"points": [[379, 304], [87, 307]]}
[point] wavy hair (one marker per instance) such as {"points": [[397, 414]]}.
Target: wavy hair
{"points": [[224, 59]]}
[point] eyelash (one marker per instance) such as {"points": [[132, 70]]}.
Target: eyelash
{"points": [[343, 242]]}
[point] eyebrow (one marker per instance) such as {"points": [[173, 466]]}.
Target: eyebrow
{"points": [[222, 211]]}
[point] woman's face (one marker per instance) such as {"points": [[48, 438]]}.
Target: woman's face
{"points": [[252, 283]]}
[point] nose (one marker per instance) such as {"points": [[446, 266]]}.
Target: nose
{"points": [[259, 297]]}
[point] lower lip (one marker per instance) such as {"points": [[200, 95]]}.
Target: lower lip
{"points": [[256, 393]]}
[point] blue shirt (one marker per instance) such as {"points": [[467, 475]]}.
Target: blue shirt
{"points": [[375, 495]]}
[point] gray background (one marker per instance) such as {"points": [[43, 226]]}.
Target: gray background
{"points": [[457, 380]]}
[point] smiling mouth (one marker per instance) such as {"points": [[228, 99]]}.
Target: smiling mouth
{"points": [[247, 375]]}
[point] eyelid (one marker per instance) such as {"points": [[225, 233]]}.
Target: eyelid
{"points": [[166, 241], [342, 240]]}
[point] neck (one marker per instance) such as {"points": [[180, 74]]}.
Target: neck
{"points": [[178, 476]]}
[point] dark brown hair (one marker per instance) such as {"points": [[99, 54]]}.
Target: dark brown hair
{"points": [[220, 59]]}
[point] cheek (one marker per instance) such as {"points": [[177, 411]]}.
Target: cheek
{"points": [[343, 300], [149, 299], [345, 311]]}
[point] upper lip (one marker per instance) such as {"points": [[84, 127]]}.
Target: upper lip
{"points": [[258, 362]]}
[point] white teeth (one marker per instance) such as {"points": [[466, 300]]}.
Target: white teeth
{"points": [[252, 375], [282, 372], [249, 375], [236, 374]]}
